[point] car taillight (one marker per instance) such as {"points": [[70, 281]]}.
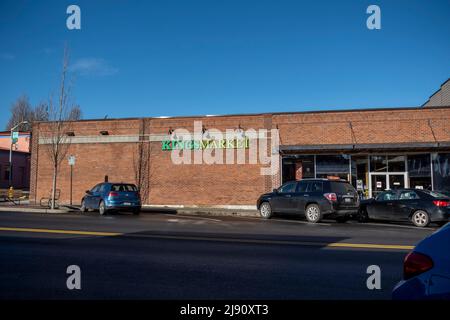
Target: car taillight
{"points": [[331, 196], [416, 263], [441, 203], [113, 194]]}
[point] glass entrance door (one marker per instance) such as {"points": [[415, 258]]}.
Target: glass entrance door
{"points": [[396, 181], [386, 181], [378, 184]]}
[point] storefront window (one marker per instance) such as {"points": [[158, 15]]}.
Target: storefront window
{"points": [[333, 166], [396, 164], [419, 171], [360, 174], [288, 170], [391, 163], [298, 167], [378, 163], [441, 172]]}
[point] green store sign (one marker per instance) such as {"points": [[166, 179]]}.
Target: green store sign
{"points": [[168, 145]]}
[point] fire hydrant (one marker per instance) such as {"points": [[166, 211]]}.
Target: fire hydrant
{"points": [[10, 192]]}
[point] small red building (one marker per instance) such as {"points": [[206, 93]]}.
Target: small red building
{"points": [[20, 157]]}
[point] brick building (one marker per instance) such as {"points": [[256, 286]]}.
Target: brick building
{"points": [[441, 97], [375, 149], [20, 157]]}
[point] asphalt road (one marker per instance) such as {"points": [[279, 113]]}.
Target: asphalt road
{"points": [[165, 256]]}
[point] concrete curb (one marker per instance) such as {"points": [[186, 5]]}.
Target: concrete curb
{"points": [[229, 213], [32, 210], [150, 209]]}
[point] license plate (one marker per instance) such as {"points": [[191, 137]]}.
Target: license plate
{"points": [[347, 200], [127, 204]]}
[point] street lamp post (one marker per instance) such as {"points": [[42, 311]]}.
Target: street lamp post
{"points": [[10, 151]]}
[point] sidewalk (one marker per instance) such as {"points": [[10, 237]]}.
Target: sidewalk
{"points": [[24, 207], [203, 211]]}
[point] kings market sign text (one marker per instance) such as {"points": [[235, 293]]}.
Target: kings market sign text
{"points": [[168, 145]]}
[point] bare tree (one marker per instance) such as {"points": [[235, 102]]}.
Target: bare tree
{"points": [[57, 142], [40, 112], [75, 113], [21, 110]]}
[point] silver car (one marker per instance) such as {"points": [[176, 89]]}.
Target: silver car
{"points": [[426, 270]]}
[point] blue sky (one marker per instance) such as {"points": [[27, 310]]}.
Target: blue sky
{"points": [[193, 57]]}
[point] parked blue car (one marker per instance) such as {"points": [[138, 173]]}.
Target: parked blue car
{"points": [[108, 196], [426, 270]]}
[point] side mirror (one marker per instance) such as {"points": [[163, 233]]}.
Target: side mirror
{"points": [[275, 190]]}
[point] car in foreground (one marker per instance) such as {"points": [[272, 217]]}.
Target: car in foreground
{"points": [[421, 207], [106, 197], [313, 198], [426, 270]]}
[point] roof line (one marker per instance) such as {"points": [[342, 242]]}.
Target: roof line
{"points": [[265, 113], [440, 87]]}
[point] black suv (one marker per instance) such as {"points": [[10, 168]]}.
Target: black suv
{"points": [[315, 198]]}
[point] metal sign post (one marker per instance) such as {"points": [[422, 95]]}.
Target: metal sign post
{"points": [[71, 164], [14, 139]]}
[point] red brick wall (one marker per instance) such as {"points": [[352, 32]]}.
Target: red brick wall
{"points": [[221, 184], [206, 184], [93, 161], [195, 184], [34, 162]]}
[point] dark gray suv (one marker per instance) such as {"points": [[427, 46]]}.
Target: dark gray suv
{"points": [[314, 198]]}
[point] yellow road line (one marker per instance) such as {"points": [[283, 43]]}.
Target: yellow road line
{"points": [[369, 246], [300, 243], [75, 232], [199, 238]]}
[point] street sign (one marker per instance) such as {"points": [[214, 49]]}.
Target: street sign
{"points": [[14, 137], [72, 160]]}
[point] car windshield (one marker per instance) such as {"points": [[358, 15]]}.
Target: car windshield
{"points": [[123, 187], [435, 194], [341, 187]]}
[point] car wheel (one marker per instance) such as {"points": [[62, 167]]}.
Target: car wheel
{"points": [[313, 213], [265, 210], [101, 208], [136, 211], [420, 218], [83, 206]]}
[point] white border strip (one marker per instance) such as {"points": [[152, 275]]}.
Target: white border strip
{"points": [[95, 139], [123, 138]]}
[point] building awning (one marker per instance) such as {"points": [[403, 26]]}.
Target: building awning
{"points": [[373, 147]]}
